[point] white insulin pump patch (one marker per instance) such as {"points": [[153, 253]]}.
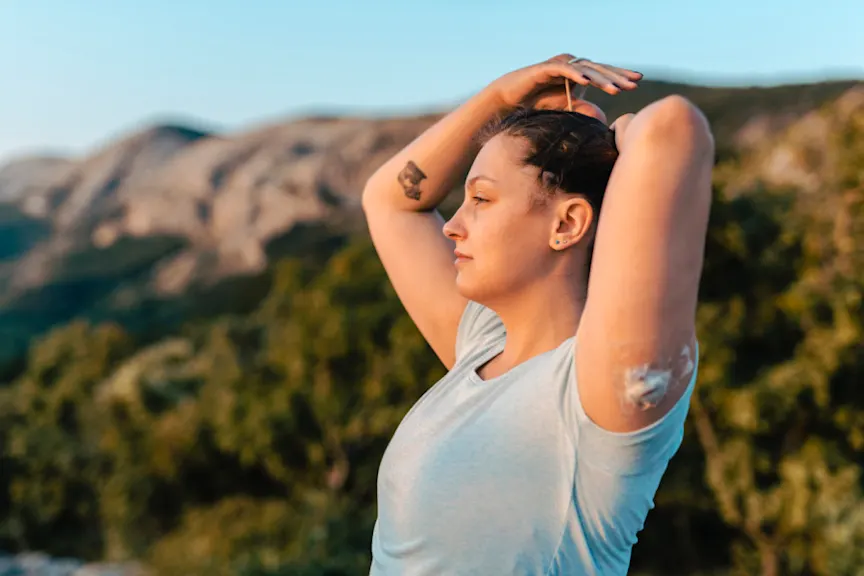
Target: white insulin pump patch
{"points": [[645, 387]]}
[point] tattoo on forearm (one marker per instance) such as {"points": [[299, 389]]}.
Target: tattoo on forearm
{"points": [[410, 178]]}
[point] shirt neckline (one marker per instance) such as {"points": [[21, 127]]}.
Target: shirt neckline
{"points": [[475, 378], [483, 359]]}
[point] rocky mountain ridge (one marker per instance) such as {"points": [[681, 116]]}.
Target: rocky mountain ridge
{"points": [[223, 197], [172, 209]]}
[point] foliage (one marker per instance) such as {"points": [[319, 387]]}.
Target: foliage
{"points": [[272, 423], [779, 414], [249, 443]]}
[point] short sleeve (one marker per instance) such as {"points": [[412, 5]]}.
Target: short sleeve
{"points": [[644, 450], [479, 328]]}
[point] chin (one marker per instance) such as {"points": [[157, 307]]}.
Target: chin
{"points": [[465, 287], [472, 290]]}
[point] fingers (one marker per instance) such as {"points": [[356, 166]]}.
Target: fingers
{"points": [[610, 79], [621, 123], [557, 69], [603, 81], [619, 127], [629, 74], [610, 73]]}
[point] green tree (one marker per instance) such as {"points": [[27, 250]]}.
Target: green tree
{"points": [[779, 414], [308, 391], [50, 446]]}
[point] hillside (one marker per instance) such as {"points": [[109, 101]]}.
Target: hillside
{"points": [[169, 219], [247, 441]]}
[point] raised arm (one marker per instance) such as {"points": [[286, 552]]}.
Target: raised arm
{"points": [[399, 200], [635, 348]]}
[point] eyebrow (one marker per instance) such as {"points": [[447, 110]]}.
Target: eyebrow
{"points": [[474, 179]]}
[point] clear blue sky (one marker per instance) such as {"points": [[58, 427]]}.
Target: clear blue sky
{"points": [[75, 73]]}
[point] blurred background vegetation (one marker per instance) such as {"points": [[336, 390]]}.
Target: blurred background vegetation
{"points": [[245, 439]]}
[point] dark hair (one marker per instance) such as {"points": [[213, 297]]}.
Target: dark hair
{"points": [[574, 152]]}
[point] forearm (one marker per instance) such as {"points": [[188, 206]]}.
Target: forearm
{"points": [[419, 177]]}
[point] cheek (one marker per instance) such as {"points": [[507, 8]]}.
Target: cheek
{"points": [[505, 260], [507, 247], [493, 237]]}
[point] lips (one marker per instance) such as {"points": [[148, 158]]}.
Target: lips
{"points": [[460, 254]]}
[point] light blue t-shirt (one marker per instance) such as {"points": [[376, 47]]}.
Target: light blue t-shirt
{"points": [[510, 476]]}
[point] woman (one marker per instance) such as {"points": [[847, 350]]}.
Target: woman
{"points": [[542, 448]]}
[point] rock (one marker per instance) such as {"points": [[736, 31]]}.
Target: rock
{"points": [[126, 569], [30, 181], [9, 567], [224, 196], [39, 564]]}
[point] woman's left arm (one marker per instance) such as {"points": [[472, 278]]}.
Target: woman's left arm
{"points": [[636, 340]]}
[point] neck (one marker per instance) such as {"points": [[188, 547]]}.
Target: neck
{"points": [[539, 318]]}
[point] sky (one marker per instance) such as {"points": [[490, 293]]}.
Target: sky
{"points": [[78, 73]]}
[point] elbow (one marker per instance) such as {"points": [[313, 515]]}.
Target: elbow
{"points": [[364, 197], [368, 194], [675, 120]]}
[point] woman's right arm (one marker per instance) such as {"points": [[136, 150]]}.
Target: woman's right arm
{"points": [[399, 201]]}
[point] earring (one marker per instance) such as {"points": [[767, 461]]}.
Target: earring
{"points": [[557, 242]]}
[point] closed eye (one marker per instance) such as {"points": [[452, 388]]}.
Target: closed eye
{"points": [[478, 199]]}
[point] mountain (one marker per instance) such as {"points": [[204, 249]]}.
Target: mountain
{"points": [[166, 220]]}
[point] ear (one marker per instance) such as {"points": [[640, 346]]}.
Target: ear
{"points": [[573, 219]]}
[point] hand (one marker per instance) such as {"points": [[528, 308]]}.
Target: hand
{"points": [[619, 127], [542, 85], [557, 100]]}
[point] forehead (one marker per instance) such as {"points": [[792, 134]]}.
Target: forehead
{"points": [[501, 155]]}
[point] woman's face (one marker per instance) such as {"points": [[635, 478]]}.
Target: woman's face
{"points": [[507, 235]]}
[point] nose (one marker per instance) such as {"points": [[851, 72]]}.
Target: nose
{"points": [[453, 227]]}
